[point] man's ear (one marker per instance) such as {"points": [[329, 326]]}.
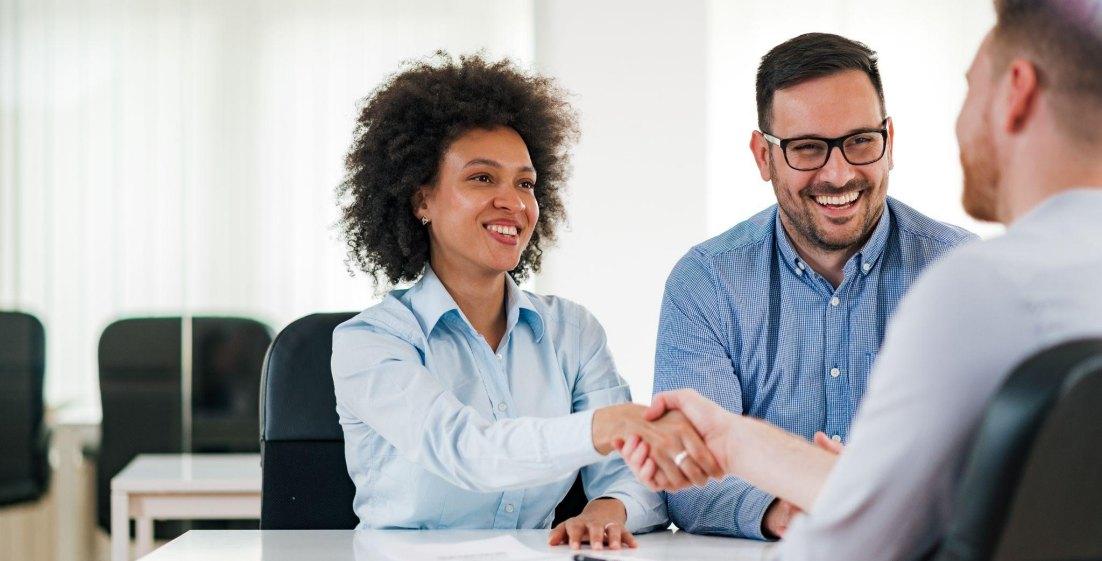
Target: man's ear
{"points": [[759, 147], [891, 144], [1022, 97]]}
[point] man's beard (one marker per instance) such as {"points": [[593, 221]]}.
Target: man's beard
{"points": [[981, 175], [980, 179], [802, 218]]}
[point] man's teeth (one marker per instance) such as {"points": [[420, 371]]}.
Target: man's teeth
{"points": [[504, 230], [838, 200]]}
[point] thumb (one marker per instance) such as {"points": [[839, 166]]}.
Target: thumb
{"points": [[658, 407], [824, 442]]}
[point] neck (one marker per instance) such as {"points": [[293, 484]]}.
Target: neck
{"points": [[829, 263], [1042, 172], [479, 295]]}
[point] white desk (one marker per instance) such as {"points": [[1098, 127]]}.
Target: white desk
{"points": [[180, 487], [379, 545]]}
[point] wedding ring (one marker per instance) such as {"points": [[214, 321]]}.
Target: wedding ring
{"points": [[680, 457]]}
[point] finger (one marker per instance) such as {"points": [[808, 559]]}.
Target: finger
{"points": [[596, 536], [627, 450], [628, 539], [695, 475], [647, 475], [612, 533], [669, 469], [703, 456], [826, 443], [558, 534], [635, 461], [660, 480], [656, 409], [574, 531]]}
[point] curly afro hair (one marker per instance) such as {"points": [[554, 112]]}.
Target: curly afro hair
{"points": [[403, 131]]}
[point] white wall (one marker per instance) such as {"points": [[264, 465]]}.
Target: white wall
{"points": [[638, 195], [170, 155]]}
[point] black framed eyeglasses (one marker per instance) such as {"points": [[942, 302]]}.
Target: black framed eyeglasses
{"points": [[809, 153]]}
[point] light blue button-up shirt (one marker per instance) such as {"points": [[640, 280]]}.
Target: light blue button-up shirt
{"points": [[748, 324], [441, 431]]}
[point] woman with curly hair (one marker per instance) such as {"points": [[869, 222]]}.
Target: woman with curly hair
{"points": [[465, 401]]}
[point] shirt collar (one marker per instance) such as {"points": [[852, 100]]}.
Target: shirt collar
{"points": [[865, 259], [431, 302]]}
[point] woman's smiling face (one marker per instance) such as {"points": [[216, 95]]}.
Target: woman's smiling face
{"points": [[482, 208]]}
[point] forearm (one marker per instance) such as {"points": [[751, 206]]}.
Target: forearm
{"points": [[779, 463]]}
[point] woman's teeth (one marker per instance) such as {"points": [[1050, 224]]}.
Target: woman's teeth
{"points": [[838, 200], [504, 230]]}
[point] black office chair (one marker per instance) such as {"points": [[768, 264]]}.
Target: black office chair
{"points": [[1032, 485], [24, 469], [141, 396], [306, 484]]}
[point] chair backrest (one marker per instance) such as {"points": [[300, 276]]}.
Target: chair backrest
{"points": [[24, 470], [1032, 484], [141, 391], [306, 485]]}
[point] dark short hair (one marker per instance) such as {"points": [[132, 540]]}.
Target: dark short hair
{"points": [[808, 56], [403, 131], [1064, 40]]}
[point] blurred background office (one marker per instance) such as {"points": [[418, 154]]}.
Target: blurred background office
{"points": [[178, 158]]}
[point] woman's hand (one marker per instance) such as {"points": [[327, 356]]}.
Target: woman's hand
{"points": [[677, 451], [601, 522]]}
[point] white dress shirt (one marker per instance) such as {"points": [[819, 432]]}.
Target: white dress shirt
{"points": [[965, 325]]}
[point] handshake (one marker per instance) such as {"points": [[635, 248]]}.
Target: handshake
{"points": [[684, 439], [681, 440]]}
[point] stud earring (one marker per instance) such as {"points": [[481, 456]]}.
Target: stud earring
{"points": [[424, 221]]}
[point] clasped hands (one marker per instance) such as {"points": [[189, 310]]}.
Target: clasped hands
{"points": [[670, 462]]}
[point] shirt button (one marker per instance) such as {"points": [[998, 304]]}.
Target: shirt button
{"points": [[834, 372], [835, 301], [500, 356], [502, 407], [509, 507], [866, 267], [836, 438]]}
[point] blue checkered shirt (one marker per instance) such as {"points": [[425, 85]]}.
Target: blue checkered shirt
{"points": [[748, 324]]}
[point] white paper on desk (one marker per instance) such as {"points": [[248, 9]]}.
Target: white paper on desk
{"points": [[501, 548]]}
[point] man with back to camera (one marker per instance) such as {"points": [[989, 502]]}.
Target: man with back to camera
{"points": [[780, 317], [1030, 134]]}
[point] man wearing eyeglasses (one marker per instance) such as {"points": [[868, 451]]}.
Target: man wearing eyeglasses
{"points": [[780, 317]]}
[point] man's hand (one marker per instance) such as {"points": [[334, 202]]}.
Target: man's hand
{"points": [[777, 518], [781, 512], [679, 454], [823, 441], [600, 523], [712, 422]]}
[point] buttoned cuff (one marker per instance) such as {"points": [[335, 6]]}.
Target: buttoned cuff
{"points": [[751, 511], [642, 516], [570, 442]]}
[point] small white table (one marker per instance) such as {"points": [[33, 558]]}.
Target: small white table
{"points": [[379, 545], [180, 487]]}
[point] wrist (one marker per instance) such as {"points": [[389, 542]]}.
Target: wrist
{"points": [[609, 424], [607, 508]]}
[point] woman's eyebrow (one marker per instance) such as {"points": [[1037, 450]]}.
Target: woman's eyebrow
{"points": [[494, 164]]}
